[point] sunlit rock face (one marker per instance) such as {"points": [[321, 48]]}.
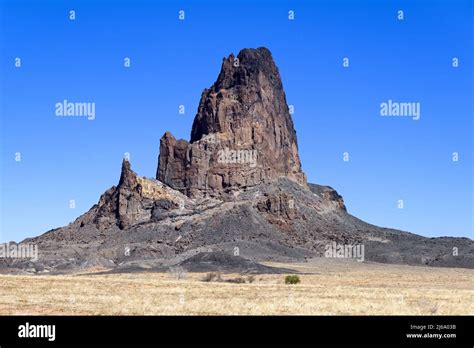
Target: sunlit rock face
{"points": [[242, 135]]}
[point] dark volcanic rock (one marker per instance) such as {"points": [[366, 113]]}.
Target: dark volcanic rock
{"points": [[224, 262], [330, 194], [134, 200], [242, 135]]}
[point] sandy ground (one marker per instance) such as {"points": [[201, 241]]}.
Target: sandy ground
{"points": [[328, 287]]}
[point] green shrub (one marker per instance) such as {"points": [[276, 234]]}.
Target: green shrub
{"points": [[292, 279]]}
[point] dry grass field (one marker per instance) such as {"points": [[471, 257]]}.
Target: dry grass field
{"points": [[328, 287]]}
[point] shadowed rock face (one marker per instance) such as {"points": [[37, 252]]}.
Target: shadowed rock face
{"points": [[242, 135]]}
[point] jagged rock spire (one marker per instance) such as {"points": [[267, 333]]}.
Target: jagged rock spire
{"points": [[242, 134], [127, 177]]}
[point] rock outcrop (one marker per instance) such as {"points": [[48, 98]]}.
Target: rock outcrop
{"points": [[242, 135], [135, 200], [329, 194]]}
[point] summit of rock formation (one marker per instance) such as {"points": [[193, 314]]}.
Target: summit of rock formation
{"points": [[242, 134]]}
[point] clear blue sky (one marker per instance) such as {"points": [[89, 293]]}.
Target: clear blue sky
{"points": [[172, 61]]}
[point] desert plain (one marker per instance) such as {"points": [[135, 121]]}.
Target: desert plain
{"points": [[327, 287]]}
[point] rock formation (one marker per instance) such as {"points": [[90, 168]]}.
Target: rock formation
{"points": [[237, 185], [135, 200], [242, 134]]}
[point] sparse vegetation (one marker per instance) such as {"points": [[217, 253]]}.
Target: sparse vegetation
{"points": [[216, 277], [292, 279], [212, 277], [238, 280]]}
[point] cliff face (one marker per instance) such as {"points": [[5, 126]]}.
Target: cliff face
{"points": [[242, 135]]}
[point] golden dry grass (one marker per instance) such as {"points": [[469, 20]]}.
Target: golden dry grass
{"points": [[326, 288]]}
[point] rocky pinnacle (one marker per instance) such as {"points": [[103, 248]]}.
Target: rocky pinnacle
{"points": [[242, 135]]}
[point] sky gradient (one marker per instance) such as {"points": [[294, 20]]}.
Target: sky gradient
{"points": [[337, 109]]}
